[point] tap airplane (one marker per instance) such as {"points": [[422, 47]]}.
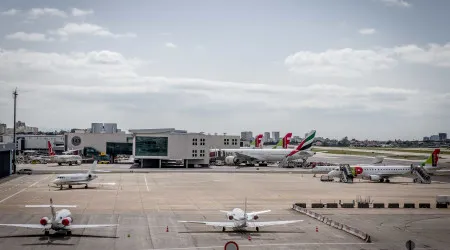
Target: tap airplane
{"points": [[383, 173], [77, 179], [60, 220], [239, 219]]}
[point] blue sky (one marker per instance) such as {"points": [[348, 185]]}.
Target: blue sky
{"points": [[374, 69]]}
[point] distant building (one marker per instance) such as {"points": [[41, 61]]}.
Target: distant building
{"points": [[434, 138], [442, 136], [104, 128], [276, 135], [426, 138], [2, 128], [266, 136], [246, 135]]}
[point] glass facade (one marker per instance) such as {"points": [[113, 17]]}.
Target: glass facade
{"points": [[151, 146], [119, 148]]}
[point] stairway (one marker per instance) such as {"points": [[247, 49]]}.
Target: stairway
{"points": [[346, 173], [422, 175]]}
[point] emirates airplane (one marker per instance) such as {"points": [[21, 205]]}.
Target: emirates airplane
{"points": [[273, 155], [60, 220], [239, 219]]}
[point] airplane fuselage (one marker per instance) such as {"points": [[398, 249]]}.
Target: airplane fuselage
{"points": [[269, 154], [74, 179]]}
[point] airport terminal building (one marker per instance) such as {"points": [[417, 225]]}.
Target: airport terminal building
{"points": [[168, 146]]}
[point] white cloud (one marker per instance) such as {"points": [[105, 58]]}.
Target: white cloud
{"points": [[171, 45], [357, 63], [400, 3], [367, 31], [433, 54], [343, 63], [79, 12], [111, 85], [10, 12], [40, 12], [72, 29], [29, 37]]}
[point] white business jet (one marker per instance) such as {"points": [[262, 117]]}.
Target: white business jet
{"points": [[78, 179], [239, 219], [60, 220]]}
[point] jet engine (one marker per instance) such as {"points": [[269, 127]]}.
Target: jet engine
{"points": [[44, 221], [230, 217], [66, 221], [255, 217], [232, 160], [375, 178]]}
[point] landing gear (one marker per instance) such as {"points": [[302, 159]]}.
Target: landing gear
{"points": [[223, 229], [60, 187], [86, 186], [387, 180], [415, 180], [69, 233], [70, 186], [257, 229], [381, 180], [47, 233], [70, 163]]}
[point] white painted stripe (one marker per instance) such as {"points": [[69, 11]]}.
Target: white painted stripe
{"points": [[23, 189], [145, 178], [267, 245]]}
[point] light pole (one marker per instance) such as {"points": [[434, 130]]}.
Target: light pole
{"points": [[14, 132]]}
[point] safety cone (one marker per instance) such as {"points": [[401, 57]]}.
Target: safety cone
{"points": [[317, 229], [167, 229], [249, 237]]}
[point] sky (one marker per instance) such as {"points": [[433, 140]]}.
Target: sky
{"points": [[366, 69]]}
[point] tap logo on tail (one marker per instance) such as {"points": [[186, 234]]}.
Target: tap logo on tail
{"points": [[287, 140]]}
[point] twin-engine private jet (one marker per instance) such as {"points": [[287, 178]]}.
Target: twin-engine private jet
{"points": [[60, 220], [239, 219]]}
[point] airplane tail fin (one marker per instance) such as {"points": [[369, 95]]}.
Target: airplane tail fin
{"points": [[93, 167], [305, 144], [258, 141], [432, 159], [52, 208], [50, 149], [279, 144], [245, 206], [286, 140]]}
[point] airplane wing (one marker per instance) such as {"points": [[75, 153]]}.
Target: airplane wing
{"points": [[56, 206], [90, 226], [214, 224], [38, 226], [223, 211], [258, 212], [270, 223], [245, 157]]}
